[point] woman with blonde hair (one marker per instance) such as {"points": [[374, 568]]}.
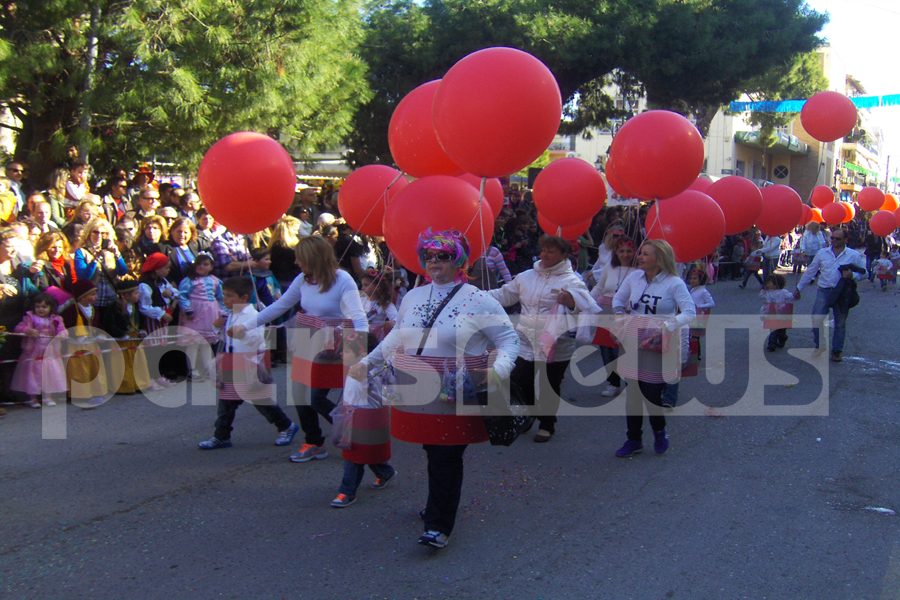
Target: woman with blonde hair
{"points": [[614, 233], [328, 302], [285, 237], [653, 308], [98, 260], [56, 195]]}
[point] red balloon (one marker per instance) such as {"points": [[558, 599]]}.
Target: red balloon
{"points": [[414, 145], [568, 191], [567, 232], [828, 116], [781, 211], [246, 181], [822, 195], [701, 184], [897, 214], [834, 213], [692, 223], [817, 215], [890, 203], [851, 212], [615, 183], [740, 200], [365, 194], [440, 202], [483, 124], [493, 190], [658, 154], [870, 198], [883, 223], [806, 217]]}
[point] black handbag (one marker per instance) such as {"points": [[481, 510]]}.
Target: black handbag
{"points": [[505, 423]]}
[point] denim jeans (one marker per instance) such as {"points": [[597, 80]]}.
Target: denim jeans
{"points": [[353, 474], [820, 312], [608, 355], [312, 402], [226, 410], [748, 273], [670, 395]]}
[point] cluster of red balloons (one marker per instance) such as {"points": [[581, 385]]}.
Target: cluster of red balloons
{"points": [[457, 135]]}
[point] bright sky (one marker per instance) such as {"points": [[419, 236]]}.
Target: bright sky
{"points": [[864, 33]]}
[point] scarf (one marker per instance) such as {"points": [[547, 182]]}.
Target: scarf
{"points": [[59, 265]]}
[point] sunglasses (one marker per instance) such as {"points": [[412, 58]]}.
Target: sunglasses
{"points": [[437, 257]]}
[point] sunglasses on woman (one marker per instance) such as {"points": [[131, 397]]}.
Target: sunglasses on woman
{"points": [[437, 256]]}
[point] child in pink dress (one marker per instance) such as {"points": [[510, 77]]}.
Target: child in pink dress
{"points": [[41, 373], [200, 300]]}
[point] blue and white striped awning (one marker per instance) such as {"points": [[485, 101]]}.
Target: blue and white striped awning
{"points": [[797, 105]]}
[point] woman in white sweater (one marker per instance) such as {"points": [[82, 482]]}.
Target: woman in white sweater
{"points": [[540, 290], [327, 298], [463, 328], [651, 305], [620, 267]]}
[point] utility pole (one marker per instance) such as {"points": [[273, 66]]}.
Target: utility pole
{"points": [[88, 89]]}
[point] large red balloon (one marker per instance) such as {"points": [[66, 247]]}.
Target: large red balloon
{"points": [[890, 203], [615, 183], [883, 223], [807, 215], [493, 190], [414, 145], [365, 194], [701, 184], [817, 215], [822, 195], [569, 191], [834, 213], [567, 232], [658, 154], [782, 208], [692, 223], [484, 123], [870, 198], [740, 200], [828, 116], [440, 202], [246, 181], [851, 212]]}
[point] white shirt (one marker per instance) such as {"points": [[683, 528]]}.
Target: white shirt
{"points": [[253, 337], [340, 302], [828, 265], [665, 297], [702, 298], [457, 324]]}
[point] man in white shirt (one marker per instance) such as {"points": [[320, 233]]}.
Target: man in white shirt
{"points": [[828, 263]]}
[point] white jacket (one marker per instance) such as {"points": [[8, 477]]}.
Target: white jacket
{"points": [[537, 290]]}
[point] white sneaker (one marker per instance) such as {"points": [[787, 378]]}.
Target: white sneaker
{"points": [[611, 391]]}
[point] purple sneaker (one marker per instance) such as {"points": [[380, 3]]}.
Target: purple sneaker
{"points": [[661, 441], [630, 448]]}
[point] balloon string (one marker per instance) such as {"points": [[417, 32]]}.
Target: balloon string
{"points": [[484, 247]]}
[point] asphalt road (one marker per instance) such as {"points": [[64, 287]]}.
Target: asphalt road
{"points": [[748, 502]]}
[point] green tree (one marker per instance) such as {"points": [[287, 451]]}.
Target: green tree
{"points": [[687, 55], [174, 76]]}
